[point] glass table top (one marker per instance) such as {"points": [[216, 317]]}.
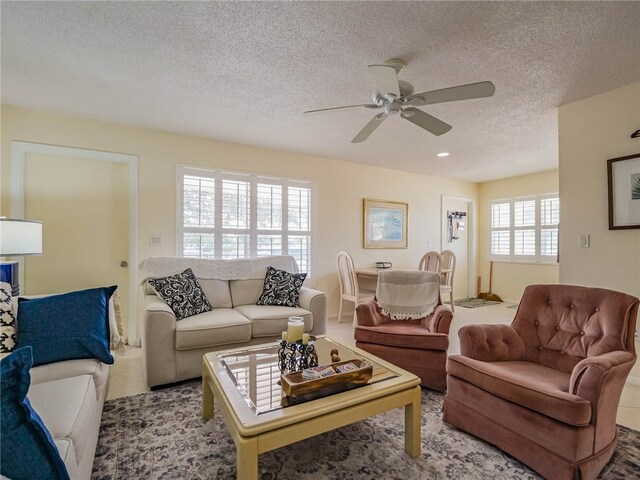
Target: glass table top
{"points": [[256, 374]]}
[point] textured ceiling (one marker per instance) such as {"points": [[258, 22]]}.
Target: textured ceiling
{"points": [[245, 72]]}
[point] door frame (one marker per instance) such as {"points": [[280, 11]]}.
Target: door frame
{"points": [[19, 151], [472, 244]]}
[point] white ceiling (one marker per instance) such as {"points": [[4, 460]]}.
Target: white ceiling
{"points": [[245, 72]]}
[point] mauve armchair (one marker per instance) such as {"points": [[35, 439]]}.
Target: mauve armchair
{"points": [[546, 388], [418, 346]]}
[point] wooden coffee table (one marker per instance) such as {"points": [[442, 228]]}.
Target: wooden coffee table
{"points": [[244, 383]]}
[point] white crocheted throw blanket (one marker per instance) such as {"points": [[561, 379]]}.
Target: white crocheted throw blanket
{"points": [[242, 269], [407, 295]]}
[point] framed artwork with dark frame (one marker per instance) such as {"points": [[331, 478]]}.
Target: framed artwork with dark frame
{"points": [[385, 224], [623, 175]]}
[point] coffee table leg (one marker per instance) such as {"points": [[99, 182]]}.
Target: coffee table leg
{"points": [[247, 458], [412, 414], [207, 397]]}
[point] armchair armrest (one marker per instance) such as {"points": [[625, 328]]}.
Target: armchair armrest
{"points": [[491, 343], [590, 373], [368, 314], [439, 321], [316, 302], [600, 379]]}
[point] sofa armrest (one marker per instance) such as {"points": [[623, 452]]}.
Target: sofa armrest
{"points": [[159, 341], [491, 343], [439, 321], [316, 302]]}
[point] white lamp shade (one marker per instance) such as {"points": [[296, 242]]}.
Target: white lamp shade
{"points": [[20, 237]]}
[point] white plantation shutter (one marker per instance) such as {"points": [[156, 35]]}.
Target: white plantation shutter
{"points": [[229, 215], [525, 229], [257, 376]]}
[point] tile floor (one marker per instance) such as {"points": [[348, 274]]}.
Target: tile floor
{"points": [[127, 375]]}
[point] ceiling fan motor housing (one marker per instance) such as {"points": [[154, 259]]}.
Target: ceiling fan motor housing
{"points": [[393, 107]]}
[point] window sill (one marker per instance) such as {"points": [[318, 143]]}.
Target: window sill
{"points": [[526, 262]]}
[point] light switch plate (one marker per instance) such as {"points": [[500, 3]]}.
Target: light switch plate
{"points": [[585, 240]]}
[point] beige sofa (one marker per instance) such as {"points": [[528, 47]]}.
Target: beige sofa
{"points": [[173, 349], [69, 397]]}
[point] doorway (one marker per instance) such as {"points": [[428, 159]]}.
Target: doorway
{"points": [[86, 200], [458, 227]]}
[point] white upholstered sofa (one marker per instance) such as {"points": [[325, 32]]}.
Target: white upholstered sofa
{"points": [[173, 349], [69, 397]]}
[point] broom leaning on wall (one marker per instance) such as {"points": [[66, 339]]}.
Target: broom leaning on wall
{"points": [[490, 296]]}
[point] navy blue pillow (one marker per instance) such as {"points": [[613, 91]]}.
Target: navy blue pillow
{"points": [[26, 447], [66, 327]]}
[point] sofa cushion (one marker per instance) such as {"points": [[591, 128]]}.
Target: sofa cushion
{"points": [[402, 334], [268, 321], [528, 384], [217, 327], [68, 455], [67, 406], [183, 293], [245, 292], [281, 288], [26, 445], [66, 326], [217, 291]]}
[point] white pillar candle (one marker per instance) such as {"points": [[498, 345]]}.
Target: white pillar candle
{"points": [[305, 338], [295, 329], [284, 336]]}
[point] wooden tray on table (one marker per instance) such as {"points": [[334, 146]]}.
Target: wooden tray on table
{"points": [[298, 389]]}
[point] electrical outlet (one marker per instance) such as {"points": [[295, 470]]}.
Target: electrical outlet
{"points": [[155, 241], [428, 243], [585, 240]]}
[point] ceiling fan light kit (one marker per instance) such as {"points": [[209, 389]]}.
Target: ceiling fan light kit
{"points": [[397, 97]]}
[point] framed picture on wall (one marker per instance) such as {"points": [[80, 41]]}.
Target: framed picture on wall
{"points": [[623, 175], [385, 224]]}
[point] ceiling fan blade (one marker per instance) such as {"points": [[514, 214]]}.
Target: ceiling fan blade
{"points": [[321, 110], [385, 78], [369, 128], [452, 94], [424, 120]]}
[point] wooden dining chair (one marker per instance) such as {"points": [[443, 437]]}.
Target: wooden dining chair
{"points": [[349, 288], [447, 270], [430, 262]]}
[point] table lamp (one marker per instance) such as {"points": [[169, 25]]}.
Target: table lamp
{"points": [[17, 238]]}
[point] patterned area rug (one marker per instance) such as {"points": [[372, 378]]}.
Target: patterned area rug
{"points": [[160, 435], [474, 303]]}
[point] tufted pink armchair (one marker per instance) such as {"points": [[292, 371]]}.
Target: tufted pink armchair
{"points": [[546, 388], [419, 346]]}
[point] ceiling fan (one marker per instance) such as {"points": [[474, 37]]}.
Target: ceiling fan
{"points": [[397, 97]]}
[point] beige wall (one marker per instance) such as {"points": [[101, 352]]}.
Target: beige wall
{"points": [[510, 279], [339, 186], [590, 132]]}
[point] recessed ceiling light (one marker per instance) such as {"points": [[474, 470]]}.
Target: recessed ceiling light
{"points": [[443, 154]]}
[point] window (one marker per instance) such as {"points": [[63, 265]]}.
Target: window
{"points": [[525, 229], [229, 215]]}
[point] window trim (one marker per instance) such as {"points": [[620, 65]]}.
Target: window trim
{"points": [[537, 258], [219, 175]]}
